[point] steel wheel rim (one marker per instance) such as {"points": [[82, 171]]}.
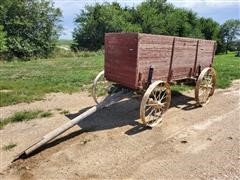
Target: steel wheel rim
{"points": [[155, 103], [205, 86]]}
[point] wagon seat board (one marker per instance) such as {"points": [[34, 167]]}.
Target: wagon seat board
{"points": [[128, 57]]}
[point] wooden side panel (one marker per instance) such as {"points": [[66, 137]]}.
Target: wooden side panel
{"points": [[121, 58], [183, 58], [128, 57], [205, 55], [155, 51]]}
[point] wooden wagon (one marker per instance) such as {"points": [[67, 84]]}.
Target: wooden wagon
{"points": [[146, 63]]}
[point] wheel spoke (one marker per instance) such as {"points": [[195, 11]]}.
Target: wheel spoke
{"points": [[163, 96], [154, 95], [150, 107], [151, 112], [153, 104], [159, 94]]}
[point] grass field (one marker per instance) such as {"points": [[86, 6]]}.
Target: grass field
{"points": [[31, 80], [228, 69], [27, 81]]}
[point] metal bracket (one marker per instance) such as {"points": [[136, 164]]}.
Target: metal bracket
{"points": [[150, 75]]}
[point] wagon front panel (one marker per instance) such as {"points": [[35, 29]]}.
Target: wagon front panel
{"points": [[121, 58]]}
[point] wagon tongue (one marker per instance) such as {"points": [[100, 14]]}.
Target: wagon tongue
{"points": [[23, 154], [109, 100]]}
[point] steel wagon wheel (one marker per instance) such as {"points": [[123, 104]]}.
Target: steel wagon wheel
{"points": [[205, 86], [155, 102], [100, 88]]}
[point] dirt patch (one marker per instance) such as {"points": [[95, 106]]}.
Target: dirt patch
{"points": [[191, 142]]}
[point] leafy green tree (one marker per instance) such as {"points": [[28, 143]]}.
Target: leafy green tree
{"points": [[209, 28], [230, 31], [182, 23], [2, 40], [149, 16], [94, 21], [32, 27]]}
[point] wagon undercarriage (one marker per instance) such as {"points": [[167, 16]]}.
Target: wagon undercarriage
{"points": [[156, 98]]}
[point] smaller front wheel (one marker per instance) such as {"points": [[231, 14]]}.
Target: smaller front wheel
{"points": [[205, 86], [155, 102], [100, 88]]}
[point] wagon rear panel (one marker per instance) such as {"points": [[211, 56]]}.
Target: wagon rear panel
{"points": [[205, 54], [121, 58], [155, 51]]}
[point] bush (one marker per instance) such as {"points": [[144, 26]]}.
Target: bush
{"points": [[31, 27]]}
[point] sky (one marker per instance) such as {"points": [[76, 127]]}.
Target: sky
{"points": [[219, 10]]}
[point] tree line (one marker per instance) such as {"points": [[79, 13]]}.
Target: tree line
{"points": [[31, 28], [151, 16]]}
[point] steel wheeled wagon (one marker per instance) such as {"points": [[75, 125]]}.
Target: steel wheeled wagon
{"points": [[144, 65]]}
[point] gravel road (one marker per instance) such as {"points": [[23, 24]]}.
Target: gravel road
{"points": [[191, 143]]}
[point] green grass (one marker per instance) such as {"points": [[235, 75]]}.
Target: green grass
{"points": [[31, 80], [228, 69], [24, 116], [46, 114], [64, 112], [9, 147], [180, 88]]}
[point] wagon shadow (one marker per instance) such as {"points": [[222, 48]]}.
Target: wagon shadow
{"points": [[183, 101], [126, 113], [120, 114]]}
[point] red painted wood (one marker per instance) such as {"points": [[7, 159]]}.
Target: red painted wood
{"points": [[128, 57], [121, 58]]}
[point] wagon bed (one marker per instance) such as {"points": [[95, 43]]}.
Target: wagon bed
{"points": [[129, 56]]}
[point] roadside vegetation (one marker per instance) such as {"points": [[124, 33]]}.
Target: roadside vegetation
{"points": [[24, 116], [9, 147]]}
